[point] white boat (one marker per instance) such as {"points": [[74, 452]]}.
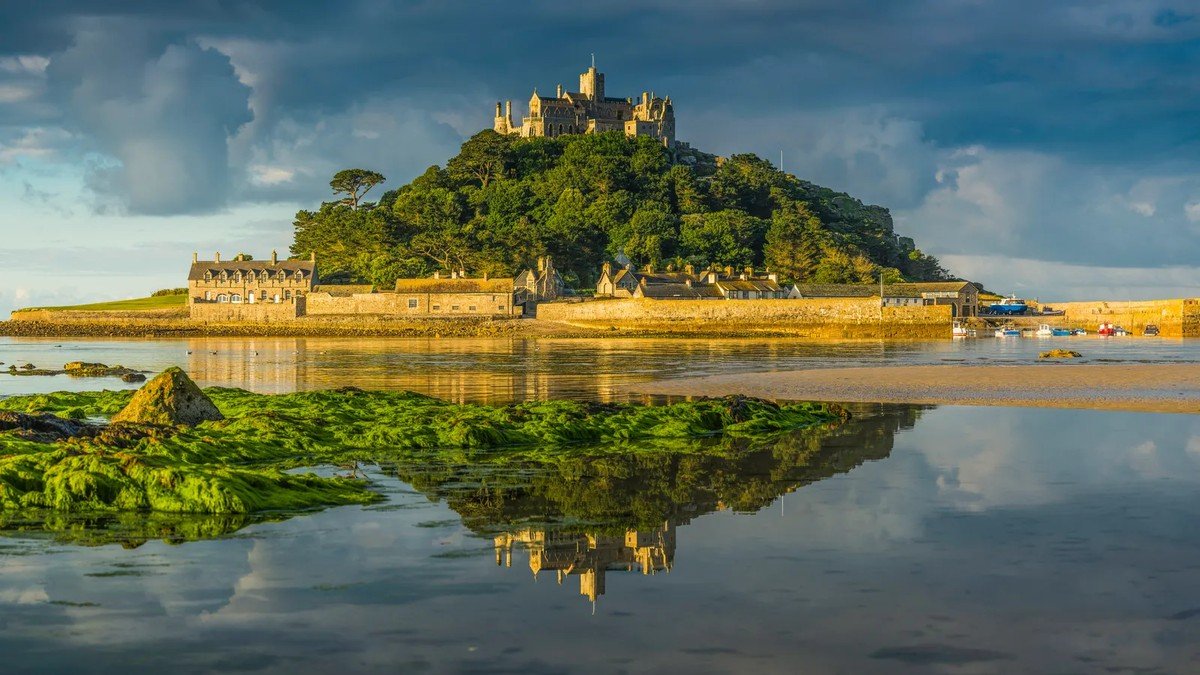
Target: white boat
{"points": [[1007, 332], [1044, 330], [961, 331]]}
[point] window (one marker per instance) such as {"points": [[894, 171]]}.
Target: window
{"points": [[222, 298], [454, 308], [412, 303], [235, 298], [501, 308], [436, 307], [471, 308], [287, 295], [208, 295]]}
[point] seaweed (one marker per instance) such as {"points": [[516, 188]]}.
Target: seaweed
{"points": [[247, 462]]}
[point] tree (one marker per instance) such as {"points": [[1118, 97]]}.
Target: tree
{"points": [[338, 234], [483, 157], [355, 184], [793, 243], [723, 238]]}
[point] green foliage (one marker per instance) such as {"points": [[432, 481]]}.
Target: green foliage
{"points": [[502, 202], [355, 184], [241, 464], [168, 291]]}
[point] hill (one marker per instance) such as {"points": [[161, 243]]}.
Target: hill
{"points": [[502, 202]]}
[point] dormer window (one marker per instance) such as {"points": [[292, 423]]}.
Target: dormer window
{"points": [[208, 275]]}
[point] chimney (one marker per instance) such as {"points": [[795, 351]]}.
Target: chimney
{"points": [[312, 256], [453, 274], [437, 274], [689, 269], [649, 268], [498, 113], [606, 268], [773, 276], [217, 258], [274, 257], [729, 271], [749, 271], [508, 110], [195, 256], [485, 276], [541, 264], [688, 281], [558, 93]]}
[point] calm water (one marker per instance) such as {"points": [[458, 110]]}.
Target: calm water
{"points": [[501, 370], [959, 540]]}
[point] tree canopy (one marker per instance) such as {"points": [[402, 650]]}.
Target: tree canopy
{"points": [[502, 202]]}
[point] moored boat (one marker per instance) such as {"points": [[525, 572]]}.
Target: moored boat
{"points": [[1009, 305], [1044, 330], [1062, 332], [1008, 332]]}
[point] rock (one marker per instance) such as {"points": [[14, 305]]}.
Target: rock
{"points": [[1060, 354], [42, 428], [133, 377], [28, 366], [169, 399]]}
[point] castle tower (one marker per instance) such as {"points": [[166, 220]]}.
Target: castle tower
{"points": [[591, 84], [503, 123]]}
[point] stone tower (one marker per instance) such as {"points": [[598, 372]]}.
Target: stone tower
{"points": [[591, 84]]}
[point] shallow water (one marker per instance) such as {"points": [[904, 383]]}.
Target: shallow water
{"points": [[937, 540], [504, 369], [949, 539]]}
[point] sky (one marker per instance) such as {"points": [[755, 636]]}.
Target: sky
{"points": [[1050, 150]]}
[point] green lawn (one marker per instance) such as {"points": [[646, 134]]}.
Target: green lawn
{"points": [[157, 302]]}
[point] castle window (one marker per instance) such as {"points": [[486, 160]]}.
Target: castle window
{"points": [[620, 114], [412, 303], [222, 298], [235, 298], [560, 128]]}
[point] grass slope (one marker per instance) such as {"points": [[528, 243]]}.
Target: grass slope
{"points": [[154, 302]]}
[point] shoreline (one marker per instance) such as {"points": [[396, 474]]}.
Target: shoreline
{"points": [[1163, 388]]}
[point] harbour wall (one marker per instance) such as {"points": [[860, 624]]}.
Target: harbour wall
{"points": [[1179, 317], [816, 317]]}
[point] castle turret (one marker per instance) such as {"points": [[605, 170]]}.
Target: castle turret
{"points": [[503, 123], [591, 84]]}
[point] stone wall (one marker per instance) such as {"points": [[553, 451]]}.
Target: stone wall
{"points": [[259, 312], [115, 317], [815, 317], [411, 304], [1174, 318]]}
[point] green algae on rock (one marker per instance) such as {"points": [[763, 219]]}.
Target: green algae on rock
{"points": [[240, 464], [171, 398]]}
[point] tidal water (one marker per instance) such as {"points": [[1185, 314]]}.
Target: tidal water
{"points": [[910, 539]]}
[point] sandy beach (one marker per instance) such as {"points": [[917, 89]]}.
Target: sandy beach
{"points": [[1136, 387]]}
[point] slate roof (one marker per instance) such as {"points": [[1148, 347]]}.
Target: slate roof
{"points": [[343, 290], [901, 290], [666, 291], [760, 285], [196, 273]]}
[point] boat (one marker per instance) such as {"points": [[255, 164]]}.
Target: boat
{"points": [[1008, 332], [1120, 332], [1107, 329], [1010, 305], [961, 331], [1079, 331], [1044, 330], [1151, 330], [1062, 332]]}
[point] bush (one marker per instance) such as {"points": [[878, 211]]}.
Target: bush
{"points": [[168, 291]]}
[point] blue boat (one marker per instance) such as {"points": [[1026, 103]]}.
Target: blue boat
{"points": [[1062, 332], [1009, 305]]}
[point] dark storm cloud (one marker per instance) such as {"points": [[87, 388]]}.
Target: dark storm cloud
{"points": [[200, 104]]}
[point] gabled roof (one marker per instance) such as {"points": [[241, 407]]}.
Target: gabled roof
{"points": [[900, 290], [246, 266], [836, 290], [760, 285], [429, 285], [665, 291]]}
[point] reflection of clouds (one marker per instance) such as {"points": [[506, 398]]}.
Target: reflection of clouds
{"points": [[28, 595]]}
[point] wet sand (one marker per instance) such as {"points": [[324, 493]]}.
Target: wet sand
{"points": [[1147, 388]]}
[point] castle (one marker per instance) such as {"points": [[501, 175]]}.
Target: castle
{"points": [[589, 111]]}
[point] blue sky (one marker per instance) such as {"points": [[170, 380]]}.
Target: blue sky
{"points": [[1047, 149]]}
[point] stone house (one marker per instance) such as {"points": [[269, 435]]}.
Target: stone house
{"points": [[688, 283], [543, 285], [458, 295], [240, 281], [961, 296]]}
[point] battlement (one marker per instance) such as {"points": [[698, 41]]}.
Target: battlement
{"points": [[589, 111]]}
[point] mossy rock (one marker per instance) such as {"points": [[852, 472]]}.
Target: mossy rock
{"points": [[1060, 354], [169, 399]]}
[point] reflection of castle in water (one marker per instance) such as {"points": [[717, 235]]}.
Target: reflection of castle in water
{"points": [[591, 556], [633, 501]]}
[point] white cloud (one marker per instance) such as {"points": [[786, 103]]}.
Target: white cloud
{"points": [[1192, 211], [1142, 208], [270, 175], [27, 64], [33, 142]]}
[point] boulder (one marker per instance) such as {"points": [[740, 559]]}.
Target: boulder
{"points": [[169, 399], [1060, 354], [133, 377]]}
